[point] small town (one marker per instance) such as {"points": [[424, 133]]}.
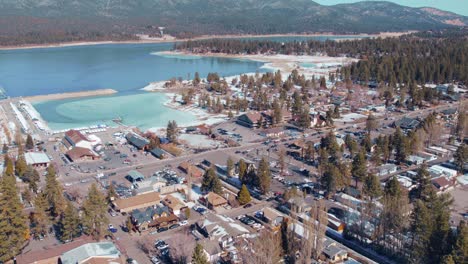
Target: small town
{"points": [[234, 132], [331, 179]]}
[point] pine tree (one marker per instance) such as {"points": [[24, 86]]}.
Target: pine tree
{"points": [[461, 157], [371, 187], [401, 146], [29, 143], [39, 219], [172, 131], [244, 195], [242, 169], [263, 176], [229, 167], [111, 193], [21, 166], [359, 168], [216, 186], [54, 193], [198, 256], [94, 213], [69, 223], [13, 228], [330, 179], [371, 123], [460, 247], [207, 181]]}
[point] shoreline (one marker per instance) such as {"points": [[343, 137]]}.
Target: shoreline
{"points": [[203, 37], [69, 95]]}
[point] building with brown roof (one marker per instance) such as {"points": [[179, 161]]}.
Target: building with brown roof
{"points": [[253, 120], [190, 169], [174, 204], [51, 255], [77, 154], [136, 202], [74, 138], [214, 200], [163, 221]]}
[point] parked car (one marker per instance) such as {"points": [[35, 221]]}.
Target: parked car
{"points": [[174, 226], [112, 229], [183, 223], [248, 205], [162, 229]]}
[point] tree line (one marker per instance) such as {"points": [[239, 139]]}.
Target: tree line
{"points": [[401, 60]]}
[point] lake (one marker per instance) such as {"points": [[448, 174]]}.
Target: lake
{"points": [[125, 68]]}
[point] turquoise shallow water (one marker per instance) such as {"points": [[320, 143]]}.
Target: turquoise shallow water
{"points": [[144, 110]]}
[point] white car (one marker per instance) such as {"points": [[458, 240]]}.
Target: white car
{"points": [[182, 223]]}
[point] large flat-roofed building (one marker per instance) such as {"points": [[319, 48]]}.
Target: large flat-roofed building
{"points": [[137, 202], [37, 159], [99, 252]]}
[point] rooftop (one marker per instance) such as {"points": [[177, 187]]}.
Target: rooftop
{"points": [[36, 158], [87, 251]]}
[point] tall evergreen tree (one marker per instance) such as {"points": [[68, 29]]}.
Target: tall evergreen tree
{"points": [[263, 175], [54, 193], [461, 157], [13, 228], [69, 223], [371, 187], [229, 167], [94, 216], [198, 256], [39, 218], [242, 169], [359, 168], [244, 195], [29, 143]]}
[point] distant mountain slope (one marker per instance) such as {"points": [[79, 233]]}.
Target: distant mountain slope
{"points": [[196, 17]]}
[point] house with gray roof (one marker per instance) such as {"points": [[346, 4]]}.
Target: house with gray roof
{"points": [[138, 141]]}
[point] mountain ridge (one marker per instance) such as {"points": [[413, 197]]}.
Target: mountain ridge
{"points": [[186, 18]]}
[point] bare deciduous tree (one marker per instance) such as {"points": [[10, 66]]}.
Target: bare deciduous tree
{"points": [[182, 248], [265, 249]]}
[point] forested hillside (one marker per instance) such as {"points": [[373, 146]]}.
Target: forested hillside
{"points": [[42, 21]]}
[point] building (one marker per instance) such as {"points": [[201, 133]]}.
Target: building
{"points": [[174, 204], [78, 154], [442, 184], [215, 201], [442, 171], [155, 216], [190, 169], [273, 217], [134, 176], [415, 160], [334, 251], [163, 221], [254, 120], [407, 123], [136, 202], [138, 141], [274, 132], [158, 153], [51, 255], [74, 138], [37, 159], [387, 169], [99, 252]]}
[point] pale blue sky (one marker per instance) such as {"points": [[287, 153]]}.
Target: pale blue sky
{"points": [[456, 6]]}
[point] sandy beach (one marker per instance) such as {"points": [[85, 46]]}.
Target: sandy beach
{"points": [[61, 96], [172, 39], [322, 65]]}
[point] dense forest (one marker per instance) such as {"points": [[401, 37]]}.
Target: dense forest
{"points": [[184, 19], [402, 60]]}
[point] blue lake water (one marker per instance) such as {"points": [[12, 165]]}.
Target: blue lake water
{"points": [[123, 67]]}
